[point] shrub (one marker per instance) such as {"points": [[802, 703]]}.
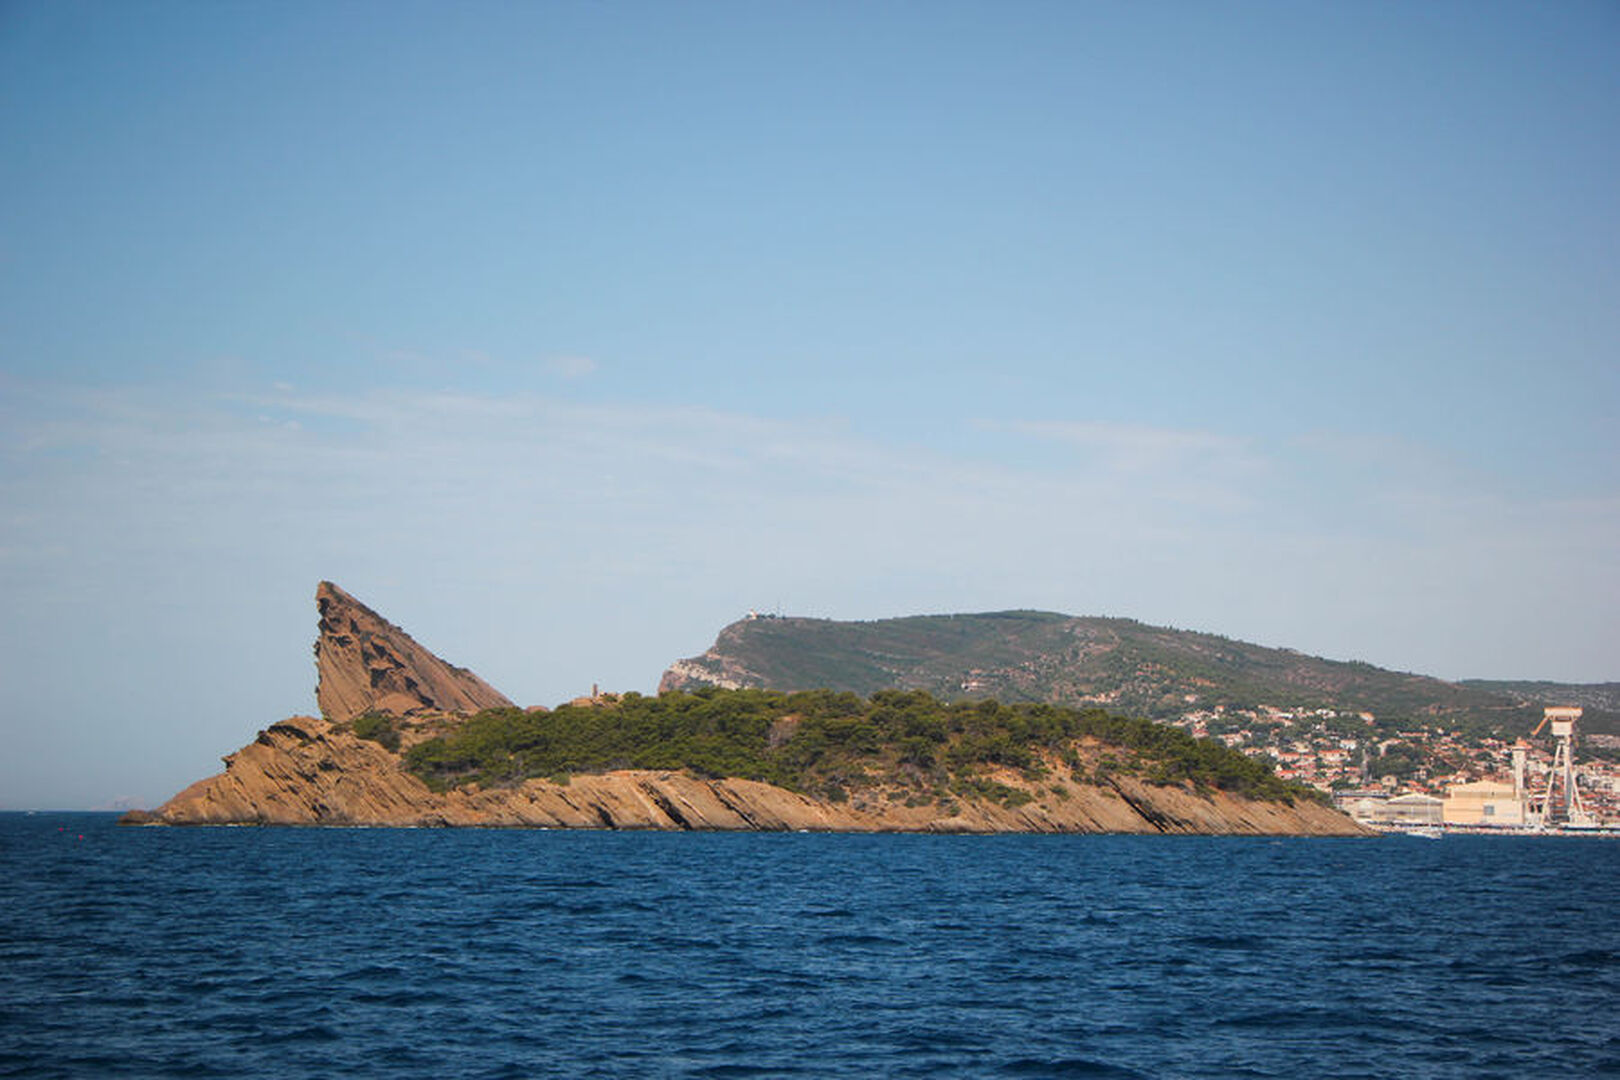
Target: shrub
{"points": [[377, 728], [824, 742]]}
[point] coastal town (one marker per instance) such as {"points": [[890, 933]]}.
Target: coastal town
{"points": [[1426, 776]]}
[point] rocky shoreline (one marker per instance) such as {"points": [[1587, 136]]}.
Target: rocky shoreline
{"points": [[306, 771], [319, 771]]}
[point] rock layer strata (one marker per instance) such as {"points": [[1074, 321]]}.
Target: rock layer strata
{"points": [[306, 771], [367, 664]]}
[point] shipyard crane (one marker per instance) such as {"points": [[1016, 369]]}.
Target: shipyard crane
{"points": [[1562, 718]]}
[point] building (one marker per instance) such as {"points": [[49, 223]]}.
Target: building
{"points": [[1399, 811], [1364, 805], [1413, 809], [1483, 802]]}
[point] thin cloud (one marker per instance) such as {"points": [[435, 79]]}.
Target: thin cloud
{"points": [[1134, 446], [1199, 470], [676, 502], [569, 367]]}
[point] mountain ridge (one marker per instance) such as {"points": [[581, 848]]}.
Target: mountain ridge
{"points": [[1120, 663]]}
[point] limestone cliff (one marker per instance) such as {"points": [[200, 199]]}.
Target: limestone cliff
{"points": [[365, 663], [305, 771]]}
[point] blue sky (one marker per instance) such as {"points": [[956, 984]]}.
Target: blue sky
{"points": [[565, 333]]}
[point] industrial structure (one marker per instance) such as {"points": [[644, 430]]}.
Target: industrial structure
{"points": [[1550, 809], [1555, 803], [1535, 799], [1485, 802]]}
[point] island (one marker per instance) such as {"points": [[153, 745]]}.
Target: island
{"points": [[406, 739]]}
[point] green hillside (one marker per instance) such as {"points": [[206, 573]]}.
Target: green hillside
{"points": [[830, 744], [1120, 664], [1600, 700]]}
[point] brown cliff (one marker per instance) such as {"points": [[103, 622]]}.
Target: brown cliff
{"points": [[306, 771], [367, 664]]}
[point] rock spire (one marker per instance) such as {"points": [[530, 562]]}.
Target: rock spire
{"points": [[366, 663]]}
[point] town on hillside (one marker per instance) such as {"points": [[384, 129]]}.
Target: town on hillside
{"points": [[1417, 775]]}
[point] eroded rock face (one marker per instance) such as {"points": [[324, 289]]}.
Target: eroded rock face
{"points": [[366, 663], [305, 771]]}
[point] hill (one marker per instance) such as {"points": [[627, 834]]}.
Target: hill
{"points": [[825, 743], [1123, 665], [1601, 701]]}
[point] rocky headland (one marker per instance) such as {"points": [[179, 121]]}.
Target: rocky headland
{"points": [[383, 694]]}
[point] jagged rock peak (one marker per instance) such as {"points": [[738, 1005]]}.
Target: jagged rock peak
{"points": [[366, 663]]}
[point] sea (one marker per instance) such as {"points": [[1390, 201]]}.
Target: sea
{"points": [[277, 952]]}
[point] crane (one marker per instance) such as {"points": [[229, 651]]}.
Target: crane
{"points": [[1562, 718]]}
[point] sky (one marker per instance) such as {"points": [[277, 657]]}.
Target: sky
{"points": [[564, 334]]}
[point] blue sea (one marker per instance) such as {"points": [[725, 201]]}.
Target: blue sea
{"points": [[150, 952]]}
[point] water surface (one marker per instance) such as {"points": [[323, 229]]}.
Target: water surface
{"points": [[460, 953]]}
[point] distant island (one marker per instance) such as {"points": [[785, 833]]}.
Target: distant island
{"points": [[407, 739]]}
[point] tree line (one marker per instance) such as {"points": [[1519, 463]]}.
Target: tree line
{"points": [[827, 744]]}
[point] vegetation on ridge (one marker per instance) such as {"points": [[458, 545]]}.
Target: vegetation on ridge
{"points": [[1124, 665], [829, 745], [377, 727]]}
